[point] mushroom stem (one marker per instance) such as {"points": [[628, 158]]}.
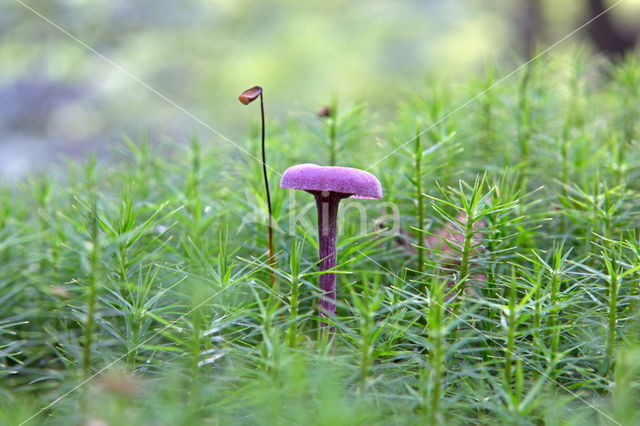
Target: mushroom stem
{"points": [[327, 206]]}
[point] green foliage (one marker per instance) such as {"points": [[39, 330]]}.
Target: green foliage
{"points": [[137, 289]]}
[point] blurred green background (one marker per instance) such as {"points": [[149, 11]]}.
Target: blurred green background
{"points": [[59, 99]]}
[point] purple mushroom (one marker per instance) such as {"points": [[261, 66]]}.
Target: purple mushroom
{"points": [[329, 185]]}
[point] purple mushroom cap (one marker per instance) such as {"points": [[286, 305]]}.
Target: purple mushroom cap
{"points": [[346, 180]]}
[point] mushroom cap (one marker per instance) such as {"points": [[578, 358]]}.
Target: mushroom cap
{"points": [[346, 180]]}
